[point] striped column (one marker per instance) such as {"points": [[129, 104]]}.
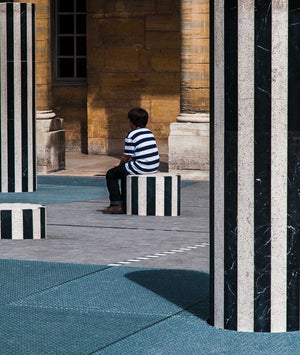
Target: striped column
{"points": [[22, 221], [153, 195], [17, 109], [255, 165]]}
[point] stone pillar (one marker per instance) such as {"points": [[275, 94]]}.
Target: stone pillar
{"points": [[17, 98], [189, 136], [255, 175], [50, 133]]}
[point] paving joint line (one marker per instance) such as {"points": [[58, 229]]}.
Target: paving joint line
{"points": [[125, 228], [53, 286], [144, 328], [157, 255]]}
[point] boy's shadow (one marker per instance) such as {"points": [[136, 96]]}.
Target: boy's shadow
{"points": [[187, 289]]}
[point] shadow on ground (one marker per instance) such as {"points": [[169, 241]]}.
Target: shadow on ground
{"points": [[187, 289]]}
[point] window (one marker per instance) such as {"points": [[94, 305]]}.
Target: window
{"points": [[70, 41]]}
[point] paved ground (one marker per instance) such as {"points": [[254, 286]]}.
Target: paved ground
{"points": [[78, 164], [127, 284], [78, 232]]}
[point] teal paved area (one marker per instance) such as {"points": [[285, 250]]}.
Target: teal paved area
{"points": [[63, 189], [156, 301], [55, 308]]}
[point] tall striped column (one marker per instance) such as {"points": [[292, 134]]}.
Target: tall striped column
{"points": [[255, 165], [17, 108]]}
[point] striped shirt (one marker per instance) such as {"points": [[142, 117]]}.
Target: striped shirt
{"points": [[140, 144]]}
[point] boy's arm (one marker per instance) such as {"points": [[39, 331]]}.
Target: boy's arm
{"points": [[125, 159]]}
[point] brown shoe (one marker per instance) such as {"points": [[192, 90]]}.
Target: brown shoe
{"points": [[113, 210]]}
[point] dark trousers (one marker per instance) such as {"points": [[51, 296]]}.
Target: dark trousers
{"points": [[113, 176]]}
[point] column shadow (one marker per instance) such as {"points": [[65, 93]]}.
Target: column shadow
{"points": [[187, 289]]}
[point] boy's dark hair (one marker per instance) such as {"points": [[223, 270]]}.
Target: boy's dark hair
{"points": [[138, 116]]}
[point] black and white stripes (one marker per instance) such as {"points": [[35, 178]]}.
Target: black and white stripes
{"points": [[17, 63], [255, 173], [153, 195], [22, 221]]}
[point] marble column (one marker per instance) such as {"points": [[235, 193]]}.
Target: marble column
{"points": [[17, 101], [255, 165], [50, 132], [189, 136]]}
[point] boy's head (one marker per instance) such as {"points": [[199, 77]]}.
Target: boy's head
{"points": [[138, 117]]}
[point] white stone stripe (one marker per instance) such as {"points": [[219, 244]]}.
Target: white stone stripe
{"points": [[17, 224], [17, 97], [142, 193], [174, 196], [279, 165], [36, 223], [4, 157], [159, 196], [219, 154], [30, 93], [245, 225], [128, 195]]}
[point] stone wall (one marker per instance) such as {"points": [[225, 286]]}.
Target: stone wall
{"points": [[133, 54], [133, 50], [70, 103], [43, 50]]}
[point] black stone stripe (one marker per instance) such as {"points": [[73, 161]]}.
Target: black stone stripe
{"points": [[212, 169], [293, 213], [124, 192], [43, 222], [151, 196], [27, 224], [6, 225], [10, 98], [262, 167], [33, 98], [24, 108], [134, 195], [230, 198], [168, 196], [178, 195], [1, 158]]}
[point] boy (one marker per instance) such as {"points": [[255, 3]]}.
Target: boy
{"points": [[140, 157]]}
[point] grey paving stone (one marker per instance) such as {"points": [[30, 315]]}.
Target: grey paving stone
{"points": [[78, 232]]}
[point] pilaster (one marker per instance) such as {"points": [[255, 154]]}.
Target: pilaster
{"points": [[189, 153], [51, 140]]}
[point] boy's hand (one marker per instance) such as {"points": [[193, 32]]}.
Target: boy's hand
{"points": [[125, 159]]}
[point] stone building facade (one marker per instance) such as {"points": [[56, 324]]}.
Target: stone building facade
{"points": [[121, 54]]}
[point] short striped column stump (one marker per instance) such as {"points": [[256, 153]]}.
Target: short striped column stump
{"points": [[22, 221], [153, 195]]}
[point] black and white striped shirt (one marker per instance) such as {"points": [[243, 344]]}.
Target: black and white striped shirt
{"points": [[140, 144]]}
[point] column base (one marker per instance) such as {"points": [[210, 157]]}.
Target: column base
{"points": [[44, 115], [50, 142], [189, 146]]}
